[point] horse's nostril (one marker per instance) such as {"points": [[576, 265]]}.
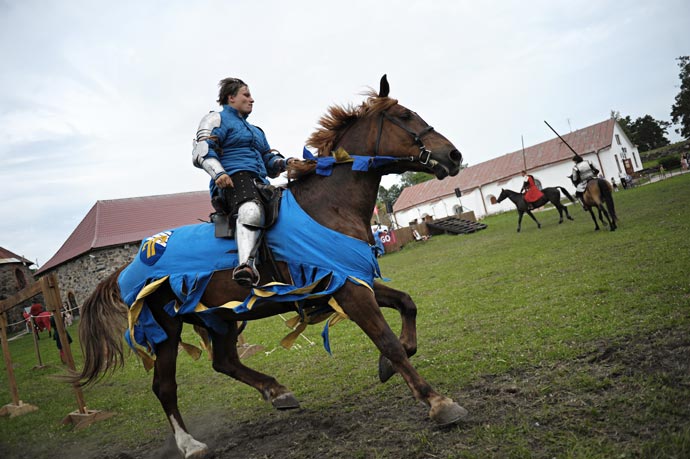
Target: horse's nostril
{"points": [[455, 156]]}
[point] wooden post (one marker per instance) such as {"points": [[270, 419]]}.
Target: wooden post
{"points": [[51, 293], [34, 334], [82, 417], [16, 408]]}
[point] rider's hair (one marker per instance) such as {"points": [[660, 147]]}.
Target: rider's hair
{"points": [[229, 87]]}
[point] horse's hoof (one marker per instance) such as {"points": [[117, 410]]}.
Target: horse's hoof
{"points": [[448, 413], [385, 369], [196, 450], [285, 402], [570, 218]]}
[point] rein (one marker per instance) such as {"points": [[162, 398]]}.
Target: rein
{"points": [[424, 153]]}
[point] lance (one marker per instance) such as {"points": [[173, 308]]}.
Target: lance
{"points": [[563, 140]]}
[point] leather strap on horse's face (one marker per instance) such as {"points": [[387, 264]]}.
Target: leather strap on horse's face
{"points": [[424, 153]]}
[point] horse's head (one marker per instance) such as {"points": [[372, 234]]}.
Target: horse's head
{"points": [[502, 196], [383, 127]]}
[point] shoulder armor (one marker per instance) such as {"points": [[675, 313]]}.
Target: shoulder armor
{"points": [[208, 123]]}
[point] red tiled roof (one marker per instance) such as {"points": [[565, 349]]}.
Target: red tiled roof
{"points": [[123, 221], [587, 140], [9, 257]]}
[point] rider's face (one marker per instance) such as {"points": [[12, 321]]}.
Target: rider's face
{"points": [[242, 102]]}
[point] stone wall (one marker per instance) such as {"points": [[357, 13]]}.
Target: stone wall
{"points": [[9, 286], [79, 277]]}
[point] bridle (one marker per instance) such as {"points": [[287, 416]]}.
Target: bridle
{"points": [[424, 153]]}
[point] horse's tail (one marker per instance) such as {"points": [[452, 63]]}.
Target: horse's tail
{"points": [[565, 192], [103, 321], [606, 190]]}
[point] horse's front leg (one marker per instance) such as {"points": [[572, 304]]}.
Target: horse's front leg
{"points": [[227, 361], [534, 218], [387, 297], [360, 305], [520, 214], [165, 388]]}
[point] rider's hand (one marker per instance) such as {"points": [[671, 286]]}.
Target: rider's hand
{"points": [[224, 181]]}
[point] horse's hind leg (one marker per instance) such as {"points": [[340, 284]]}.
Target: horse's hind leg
{"points": [[567, 215], [165, 387], [387, 297], [227, 361], [594, 219], [602, 214], [609, 221], [360, 305]]}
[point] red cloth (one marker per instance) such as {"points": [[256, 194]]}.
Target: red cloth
{"points": [[533, 193], [41, 317], [43, 321]]}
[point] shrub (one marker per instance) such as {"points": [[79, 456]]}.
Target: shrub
{"points": [[670, 162]]}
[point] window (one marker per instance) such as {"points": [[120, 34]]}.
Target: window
{"points": [[20, 278], [618, 164], [637, 166], [618, 139], [457, 209]]}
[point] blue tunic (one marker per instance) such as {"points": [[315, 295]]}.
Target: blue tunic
{"points": [[243, 147]]}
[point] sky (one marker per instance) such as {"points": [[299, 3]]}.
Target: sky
{"points": [[101, 100]]}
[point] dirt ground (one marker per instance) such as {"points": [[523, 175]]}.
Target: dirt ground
{"points": [[536, 408]]}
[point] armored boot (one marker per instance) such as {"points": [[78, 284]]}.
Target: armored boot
{"points": [[580, 197], [250, 220]]}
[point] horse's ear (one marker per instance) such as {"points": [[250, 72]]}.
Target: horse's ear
{"points": [[385, 88]]}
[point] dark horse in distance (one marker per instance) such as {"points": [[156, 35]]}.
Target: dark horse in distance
{"points": [[551, 195], [340, 201], [599, 194]]}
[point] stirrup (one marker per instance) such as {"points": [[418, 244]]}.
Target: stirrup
{"points": [[246, 275]]}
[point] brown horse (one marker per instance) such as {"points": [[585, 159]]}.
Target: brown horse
{"points": [[342, 202], [599, 193]]}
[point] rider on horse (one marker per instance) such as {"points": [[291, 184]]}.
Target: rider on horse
{"points": [[583, 172], [238, 158], [531, 192]]}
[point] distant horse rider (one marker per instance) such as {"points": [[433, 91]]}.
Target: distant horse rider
{"points": [[532, 193], [583, 172]]}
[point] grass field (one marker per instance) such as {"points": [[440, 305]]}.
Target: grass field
{"points": [[560, 341]]}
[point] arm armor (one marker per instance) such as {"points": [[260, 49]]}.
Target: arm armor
{"points": [[200, 156]]}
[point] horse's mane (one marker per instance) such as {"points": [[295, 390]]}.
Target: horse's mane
{"points": [[333, 124]]}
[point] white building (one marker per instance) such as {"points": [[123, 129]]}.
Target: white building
{"points": [[604, 144]]}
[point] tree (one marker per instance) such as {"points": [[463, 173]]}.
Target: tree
{"points": [[650, 133], [414, 178], [389, 195], [645, 132], [680, 111]]}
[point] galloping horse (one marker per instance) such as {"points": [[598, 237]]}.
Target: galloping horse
{"points": [[550, 195], [379, 137], [599, 194]]}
